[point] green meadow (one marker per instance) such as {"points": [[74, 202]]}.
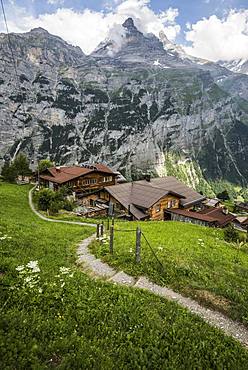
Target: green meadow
{"points": [[55, 316], [191, 259]]}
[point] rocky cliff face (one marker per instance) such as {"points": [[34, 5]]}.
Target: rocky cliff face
{"points": [[132, 103], [238, 66]]}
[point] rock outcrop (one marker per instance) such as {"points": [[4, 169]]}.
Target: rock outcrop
{"points": [[131, 104]]}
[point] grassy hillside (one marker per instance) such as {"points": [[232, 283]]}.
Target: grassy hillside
{"points": [[190, 173], [196, 261], [59, 318]]}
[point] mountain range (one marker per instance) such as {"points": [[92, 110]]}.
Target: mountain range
{"points": [[137, 103]]}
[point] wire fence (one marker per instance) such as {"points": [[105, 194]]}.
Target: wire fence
{"points": [[138, 237]]}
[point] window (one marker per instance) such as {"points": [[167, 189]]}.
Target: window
{"points": [[174, 203], [107, 179], [171, 203], [89, 181], [157, 208]]}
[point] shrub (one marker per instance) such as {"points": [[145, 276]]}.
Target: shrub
{"points": [[44, 164], [224, 195], [243, 237], [68, 205], [45, 197], [54, 206], [65, 190], [231, 234]]}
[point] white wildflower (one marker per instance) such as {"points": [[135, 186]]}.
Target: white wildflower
{"points": [[20, 268], [62, 285], [28, 279], [33, 265], [40, 290], [64, 270]]}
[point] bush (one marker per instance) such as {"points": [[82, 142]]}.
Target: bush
{"points": [[68, 205], [243, 237], [54, 206], [231, 234], [45, 197], [44, 164], [52, 201], [224, 195]]}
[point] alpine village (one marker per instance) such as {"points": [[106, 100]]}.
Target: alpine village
{"points": [[124, 195]]}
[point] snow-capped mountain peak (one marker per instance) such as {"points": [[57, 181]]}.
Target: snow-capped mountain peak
{"points": [[237, 65]]}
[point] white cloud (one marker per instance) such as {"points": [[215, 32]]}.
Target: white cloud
{"points": [[220, 39], [88, 28], [55, 2]]}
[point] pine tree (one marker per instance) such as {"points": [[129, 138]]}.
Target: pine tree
{"points": [[22, 166], [9, 172]]}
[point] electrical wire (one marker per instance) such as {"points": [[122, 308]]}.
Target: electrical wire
{"points": [[10, 44], [18, 85]]}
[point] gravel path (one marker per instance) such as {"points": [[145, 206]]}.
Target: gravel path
{"points": [[98, 269], [51, 220]]}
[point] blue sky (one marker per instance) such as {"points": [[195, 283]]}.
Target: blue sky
{"points": [[207, 28], [189, 10]]}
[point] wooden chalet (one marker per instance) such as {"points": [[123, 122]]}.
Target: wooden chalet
{"points": [[215, 217], [210, 203], [241, 223], [241, 207], [82, 180], [149, 199]]}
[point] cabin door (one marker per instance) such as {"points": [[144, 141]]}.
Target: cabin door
{"points": [[167, 215]]}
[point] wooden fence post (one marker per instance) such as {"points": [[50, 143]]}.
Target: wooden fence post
{"points": [[107, 223], [111, 240], [97, 230], [113, 221], [138, 245], [101, 229]]}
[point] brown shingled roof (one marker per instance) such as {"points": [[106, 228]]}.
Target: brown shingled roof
{"points": [[137, 213], [194, 215], [218, 213], [170, 183], [61, 175], [138, 194]]}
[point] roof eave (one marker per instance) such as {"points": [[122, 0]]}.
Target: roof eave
{"points": [[193, 202]]}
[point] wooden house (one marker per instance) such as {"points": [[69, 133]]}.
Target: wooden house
{"points": [[212, 202], [83, 180], [190, 217], [149, 199], [215, 217], [241, 207], [241, 223]]}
